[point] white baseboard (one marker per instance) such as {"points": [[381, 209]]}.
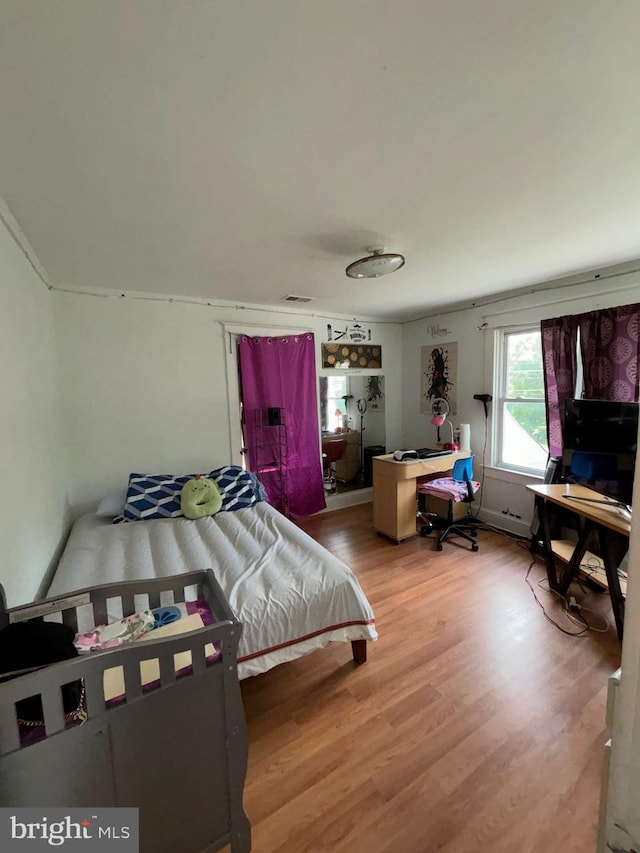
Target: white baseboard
{"points": [[518, 526]]}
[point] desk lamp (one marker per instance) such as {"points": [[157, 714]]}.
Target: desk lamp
{"points": [[440, 409]]}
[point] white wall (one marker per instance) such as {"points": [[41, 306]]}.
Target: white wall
{"points": [[146, 385], [144, 389], [33, 498], [501, 490]]}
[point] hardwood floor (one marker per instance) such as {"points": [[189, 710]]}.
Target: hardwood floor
{"points": [[475, 725]]}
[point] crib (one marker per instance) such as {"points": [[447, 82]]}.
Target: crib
{"points": [[175, 747]]}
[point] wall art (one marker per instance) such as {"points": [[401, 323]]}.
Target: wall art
{"points": [[355, 333], [374, 393], [342, 356], [437, 331], [438, 375]]}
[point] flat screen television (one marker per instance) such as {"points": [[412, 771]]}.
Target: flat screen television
{"points": [[600, 444]]}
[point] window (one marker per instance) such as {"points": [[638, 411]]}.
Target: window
{"points": [[520, 424], [334, 410]]}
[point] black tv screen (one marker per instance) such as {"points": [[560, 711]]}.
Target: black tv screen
{"points": [[600, 443]]}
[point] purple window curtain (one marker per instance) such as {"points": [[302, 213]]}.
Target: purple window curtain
{"points": [[609, 348], [281, 373], [559, 340]]}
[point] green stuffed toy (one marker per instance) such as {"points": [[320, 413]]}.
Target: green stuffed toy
{"points": [[200, 497]]}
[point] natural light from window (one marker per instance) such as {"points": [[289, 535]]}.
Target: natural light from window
{"points": [[336, 405], [521, 427]]}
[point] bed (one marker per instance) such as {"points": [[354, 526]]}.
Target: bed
{"points": [[262, 593], [290, 594]]}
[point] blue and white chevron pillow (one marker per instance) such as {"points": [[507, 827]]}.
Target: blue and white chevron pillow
{"points": [[154, 496], [238, 488], [158, 495]]}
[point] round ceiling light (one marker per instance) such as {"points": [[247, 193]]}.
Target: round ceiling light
{"points": [[378, 263]]}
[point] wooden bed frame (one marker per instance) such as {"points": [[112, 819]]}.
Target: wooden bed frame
{"points": [[359, 649]]}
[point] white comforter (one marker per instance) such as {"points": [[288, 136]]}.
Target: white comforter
{"points": [[291, 595]]}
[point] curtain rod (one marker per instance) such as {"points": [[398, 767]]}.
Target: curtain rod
{"points": [[298, 329], [213, 303], [620, 289], [530, 290], [284, 329]]}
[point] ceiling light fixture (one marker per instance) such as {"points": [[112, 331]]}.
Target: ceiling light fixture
{"points": [[378, 263]]}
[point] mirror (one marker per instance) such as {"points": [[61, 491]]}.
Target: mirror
{"points": [[352, 422]]}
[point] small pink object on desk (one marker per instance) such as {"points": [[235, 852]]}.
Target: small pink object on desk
{"points": [[439, 421]]}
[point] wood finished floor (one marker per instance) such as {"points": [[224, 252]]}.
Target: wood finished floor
{"points": [[475, 725]]}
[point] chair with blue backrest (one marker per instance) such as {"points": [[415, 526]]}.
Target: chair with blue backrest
{"points": [[459, 488]]}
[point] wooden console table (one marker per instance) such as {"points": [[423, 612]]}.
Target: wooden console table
{"points": [[611, 528], [394, 491]]}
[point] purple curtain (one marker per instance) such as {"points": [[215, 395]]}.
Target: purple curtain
{"points": [[609, 348], [280, 373], [559, 341]]}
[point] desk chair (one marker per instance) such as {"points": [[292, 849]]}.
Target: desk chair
{"points": [[459, 488]]}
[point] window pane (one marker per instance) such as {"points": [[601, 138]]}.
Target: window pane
{"points": [[524, 435], [336, 406], [337, 386], [524, 366]]}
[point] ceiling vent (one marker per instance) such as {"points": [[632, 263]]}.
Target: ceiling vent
{"points": [[292, 298]]}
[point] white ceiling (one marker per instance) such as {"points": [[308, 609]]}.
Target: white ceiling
{"points": [[248, 149]]}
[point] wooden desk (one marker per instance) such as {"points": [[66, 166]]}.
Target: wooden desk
{"points": [[394, 491], [612, 530], [348, 466]]}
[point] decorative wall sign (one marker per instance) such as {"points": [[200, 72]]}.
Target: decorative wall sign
{"points": [[342, 356], [437, 331], [438, 375], [374, 393], [355, 333]]}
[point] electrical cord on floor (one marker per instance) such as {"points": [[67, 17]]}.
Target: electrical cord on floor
{"points": [[593, 566], [580, 620], [520, 540], [546, 615], [578, 608]]}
